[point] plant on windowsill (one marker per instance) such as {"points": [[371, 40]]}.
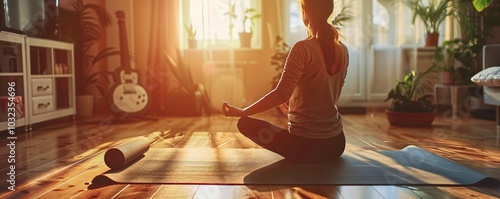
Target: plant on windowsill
{"points": [[191, 33], [411, 104], [247, 24], [432, 16]]}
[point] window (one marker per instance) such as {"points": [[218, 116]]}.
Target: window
{"points": [[382, 43], [380, 23], [391, 22], [212, 23], [295, 25], [296, 28]]}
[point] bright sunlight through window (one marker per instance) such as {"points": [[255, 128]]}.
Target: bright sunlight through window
{"points": [[212, 23]]}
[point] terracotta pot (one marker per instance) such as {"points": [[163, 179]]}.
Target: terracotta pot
{"points": [[432, 39], [446, 78], [192, 43], [450, 78], [245, 39], [407, 119]]}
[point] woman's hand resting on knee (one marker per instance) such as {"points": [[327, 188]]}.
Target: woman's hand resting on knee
{"points": [[230, 110]]}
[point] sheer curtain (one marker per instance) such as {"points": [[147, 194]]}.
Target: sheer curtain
{"points": [[161, 21]]}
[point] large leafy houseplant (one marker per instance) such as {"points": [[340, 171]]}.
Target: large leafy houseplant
{"points": [[84, 25], [182, 71], [432, 16], [490, 16], [190, 99], [480, 5], [460, 57]]}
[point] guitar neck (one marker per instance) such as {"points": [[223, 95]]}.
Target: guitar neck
{"points": [[124, 50]]}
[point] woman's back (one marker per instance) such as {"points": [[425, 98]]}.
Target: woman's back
{"points": [[313, 112]]}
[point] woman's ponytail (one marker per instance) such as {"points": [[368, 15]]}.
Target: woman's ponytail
{"points": [[315, 14]]}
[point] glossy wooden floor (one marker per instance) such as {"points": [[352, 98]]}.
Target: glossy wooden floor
{"points": [[60, 160]]}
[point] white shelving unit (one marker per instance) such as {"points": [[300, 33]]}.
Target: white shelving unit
{"points": [[43, 71], [51, 79]]}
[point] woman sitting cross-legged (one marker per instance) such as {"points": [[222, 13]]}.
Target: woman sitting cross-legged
{"points": [[311, 81]]}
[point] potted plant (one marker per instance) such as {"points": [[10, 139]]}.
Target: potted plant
{"points": [[454, 58], [476, 20], [432, 16], [444, 60], [412, 100], [189, 99], [84, 27], [191, 33], [247, 24]]}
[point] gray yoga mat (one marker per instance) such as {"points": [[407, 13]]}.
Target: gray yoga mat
{"points": [[409, 166]]}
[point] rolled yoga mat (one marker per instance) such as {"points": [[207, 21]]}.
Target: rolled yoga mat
{"points": [[119, 156]]}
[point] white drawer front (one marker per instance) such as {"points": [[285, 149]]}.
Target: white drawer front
{"points": [[42, 104], [41, 87]]}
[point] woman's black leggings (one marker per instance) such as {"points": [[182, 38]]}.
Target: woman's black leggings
{"points": [[292, 147]]}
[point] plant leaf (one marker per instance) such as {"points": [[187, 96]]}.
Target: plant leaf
{"points": [[179, 72], [480, 5]]}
